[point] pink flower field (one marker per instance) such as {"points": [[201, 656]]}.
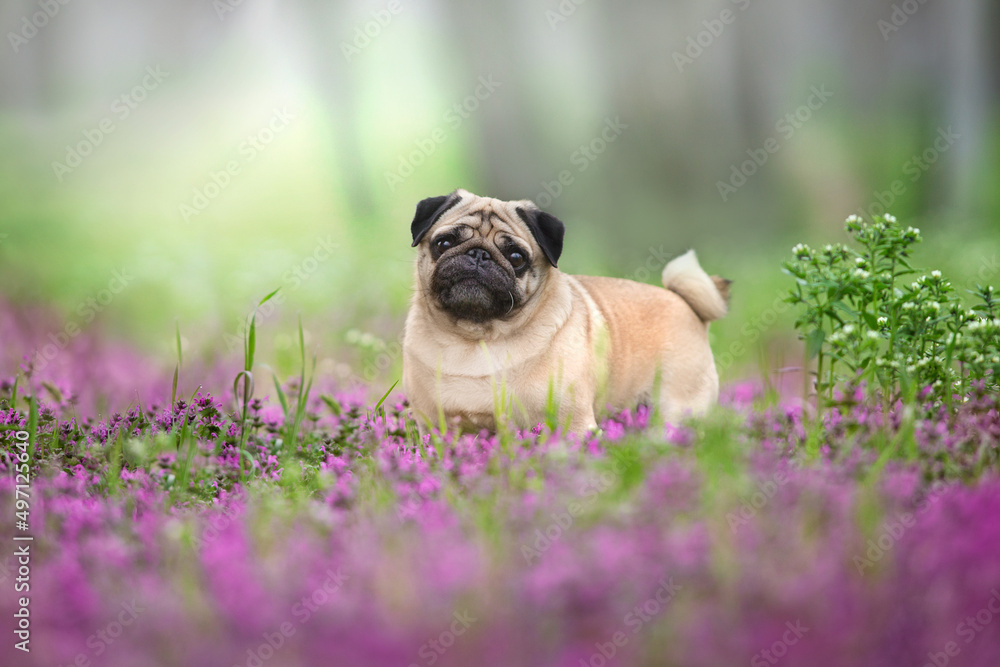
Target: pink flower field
{"points": [[760, 535]]}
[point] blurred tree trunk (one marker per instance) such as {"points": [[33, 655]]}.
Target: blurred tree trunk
{"points": [[337, 83], [969, 91], [492, 44]]}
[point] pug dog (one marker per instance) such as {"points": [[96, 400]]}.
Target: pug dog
{"points": [[496, 331]]}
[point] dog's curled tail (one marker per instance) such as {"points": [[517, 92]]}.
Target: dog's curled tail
{"points": [[707, 295]]}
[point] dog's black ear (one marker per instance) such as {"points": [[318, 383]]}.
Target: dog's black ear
{"points": [[548, 231], [428, 212]]}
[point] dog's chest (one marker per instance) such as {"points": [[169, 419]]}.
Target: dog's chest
{"points": [[479, 381]]}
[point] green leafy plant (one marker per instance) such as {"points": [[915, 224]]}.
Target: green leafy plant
{"points": [[184, 436], [177, 368], [246, 376], [864, 318], [293, 420], [378, 410]]}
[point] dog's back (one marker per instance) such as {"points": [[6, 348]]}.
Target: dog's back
{"points": [[655, 331]]}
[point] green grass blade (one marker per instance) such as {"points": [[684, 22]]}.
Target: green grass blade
{"points": [[300, 406], [385, 396], [177, 332], [173, 386], [304, 391], [551, 406], [251, 343], [302, 346], [302, 369], [177, 368], [442, 423], [32, 425], [268, 297], [116, 455], [293, 427], [281, 395], [182, 437], [248, 384]]}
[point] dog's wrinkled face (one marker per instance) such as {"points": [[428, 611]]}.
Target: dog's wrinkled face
{"points": [[482, 259]]}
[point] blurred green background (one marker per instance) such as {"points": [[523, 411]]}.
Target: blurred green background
{"points": [[211, 151]]}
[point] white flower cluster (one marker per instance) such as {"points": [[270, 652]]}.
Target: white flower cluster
{"points": [[802, 251], [980, 358], [842, 337], [984, 323]]}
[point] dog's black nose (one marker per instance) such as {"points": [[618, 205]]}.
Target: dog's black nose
{"points": [[480, 255]]}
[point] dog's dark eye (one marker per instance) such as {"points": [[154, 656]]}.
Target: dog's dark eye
{"points": [[444, 243], [516, 259]]}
